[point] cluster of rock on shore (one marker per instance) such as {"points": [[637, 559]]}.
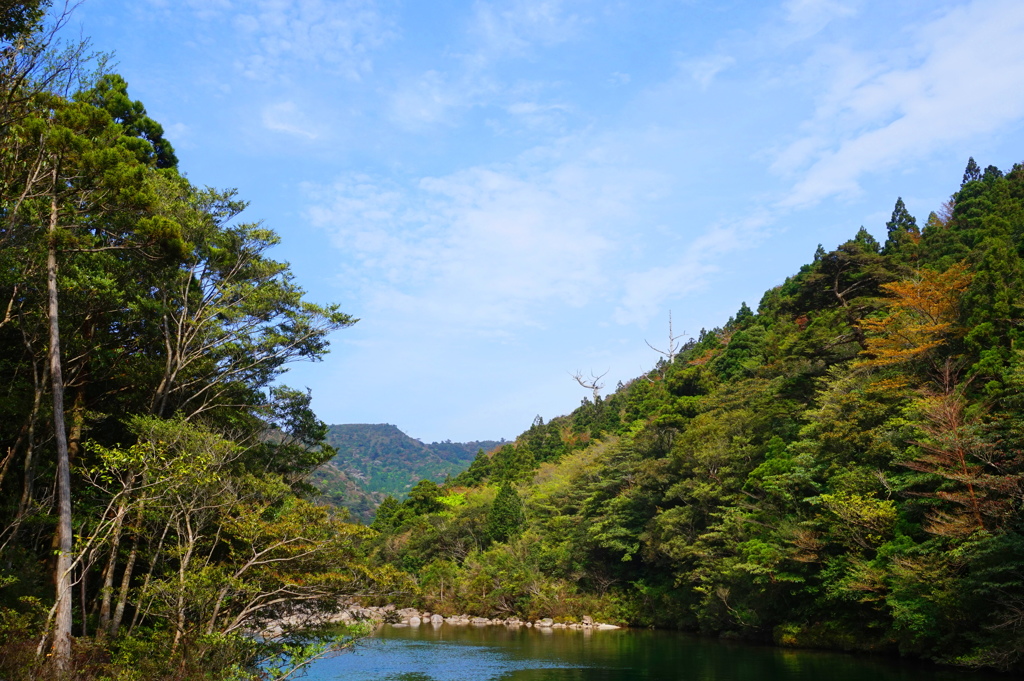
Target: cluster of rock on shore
{"points": [[411, 617]]}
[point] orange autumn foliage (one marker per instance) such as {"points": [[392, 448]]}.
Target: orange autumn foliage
{"points": [[979, 492], [923, 313]]}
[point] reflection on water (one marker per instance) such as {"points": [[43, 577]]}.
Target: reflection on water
{"points": [[468, 653]]}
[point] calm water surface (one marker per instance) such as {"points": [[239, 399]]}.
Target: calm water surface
{"points": [[468, 653]]}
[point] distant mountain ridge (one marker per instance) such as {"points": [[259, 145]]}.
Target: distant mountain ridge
{"points": [[375, 460]]}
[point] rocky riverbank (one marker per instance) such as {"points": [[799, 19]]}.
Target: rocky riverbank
{"points": [[411, 617]]}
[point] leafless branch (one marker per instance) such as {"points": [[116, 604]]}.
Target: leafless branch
{"points": [[593, 383], [672, 349]]}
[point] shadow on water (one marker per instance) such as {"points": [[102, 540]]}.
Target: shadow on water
{"points": [[468, 653]]}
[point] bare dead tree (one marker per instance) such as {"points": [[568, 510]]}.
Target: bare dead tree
{"points": [[672, 348], [670, 351], [593, 383]]}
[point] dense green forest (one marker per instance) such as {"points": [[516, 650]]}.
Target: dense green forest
{"points": [[840, 468], [374, 461], [154, 508]]}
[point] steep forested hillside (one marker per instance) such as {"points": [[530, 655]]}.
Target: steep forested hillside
{"points": [[342, 490], [377, 460], [841, 467]]}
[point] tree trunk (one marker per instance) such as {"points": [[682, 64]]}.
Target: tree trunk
{"points": [[107, 591], [39, 379], [77, 424], [179, 625], [122, 596], [83, 574], [61, 649], [137, 617]]}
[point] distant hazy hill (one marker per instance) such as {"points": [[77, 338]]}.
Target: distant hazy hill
{"points": [[375, 460]]}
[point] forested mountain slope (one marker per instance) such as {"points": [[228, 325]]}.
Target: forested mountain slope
{"points": [[841, 467], [377, 460]]}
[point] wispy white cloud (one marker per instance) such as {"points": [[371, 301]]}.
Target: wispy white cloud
{"points": [[486, 247], [646, 291], [498, 31], [204, 10], [515, 27], [549, 117], [438, 98], [961, 77], [337, 35], [271, 38], [441, 99], [705, 69], [425, 101], [286, 117], [808, 17], [492, 248]]}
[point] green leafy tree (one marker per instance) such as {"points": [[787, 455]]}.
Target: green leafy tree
{"points": [[512, 463], [902, 232], [143, 135], [234, 552], [386, 514], [79, 172], [231, 317], [506, 517], [424, 498], [477, 473], [16, 18], [972, 172]]}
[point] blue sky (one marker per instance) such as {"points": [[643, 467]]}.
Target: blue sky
{"points": [[507, 192]]}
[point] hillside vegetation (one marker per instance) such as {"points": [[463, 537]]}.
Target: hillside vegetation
{"points": [[374, 461], [841, 467]]}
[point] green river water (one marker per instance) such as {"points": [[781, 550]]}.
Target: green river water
{"points": [[492, 653]]}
